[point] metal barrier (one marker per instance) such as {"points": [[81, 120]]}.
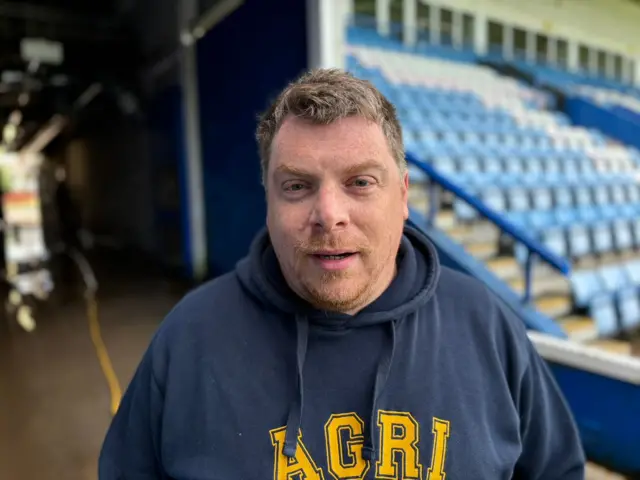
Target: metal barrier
{"points": [[534, 248]]}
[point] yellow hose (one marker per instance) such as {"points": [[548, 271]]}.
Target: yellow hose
{"points": [[102, 354]]}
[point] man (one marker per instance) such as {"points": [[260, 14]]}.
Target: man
{"points": [[339, 348]]}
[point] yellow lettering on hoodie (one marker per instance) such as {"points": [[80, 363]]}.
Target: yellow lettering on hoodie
{"points": [[399, 434], [301, 466], [345, 463]]}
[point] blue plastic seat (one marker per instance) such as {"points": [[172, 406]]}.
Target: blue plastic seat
{"points": [[566, 216], [579, 240], [518, 199], [494, 198], [618, 195], [542, 198], [563, 197], [492, 166], [602, 309], [519, 219], [629, 308], [550, 166], [533, 167], [570, 170], [555, 240], [587, 215], [469, 165], [608, 212], [602, 237], [622, 234], [633, 272], [613, 278], [582, 196], [601, 194], [539, 220], [513, 167], [585, 285], [445, 164], [633, 194]]}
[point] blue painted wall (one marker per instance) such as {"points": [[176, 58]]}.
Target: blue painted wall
{"points": [[616, 122], [167, 150], [243, 62]]}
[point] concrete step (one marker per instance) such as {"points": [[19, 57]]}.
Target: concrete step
{"points": [[419, 202], [478, 232], [579, 329], [446, 220], [505, 267], [554, 306], [621, 347], [482, 250], [543, 285]]}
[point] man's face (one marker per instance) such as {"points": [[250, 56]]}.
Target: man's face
{"points": [[336, 210]]}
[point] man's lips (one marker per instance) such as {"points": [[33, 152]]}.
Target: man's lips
{"points": [[333, 253], [334, 260]]}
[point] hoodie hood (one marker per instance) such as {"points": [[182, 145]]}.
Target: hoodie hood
{"points": [[416, 279], [417, 275]]}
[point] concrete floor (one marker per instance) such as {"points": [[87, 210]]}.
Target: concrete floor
{"points": [[53, 397]]}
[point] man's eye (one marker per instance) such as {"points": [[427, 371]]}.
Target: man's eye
{"points": [[294, 187], [362, 182]]}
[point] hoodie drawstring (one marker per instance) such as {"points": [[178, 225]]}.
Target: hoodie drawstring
{"points": [[295, 412], [369, 451]]}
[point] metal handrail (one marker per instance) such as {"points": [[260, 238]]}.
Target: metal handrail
{"points": [[534, 247]]}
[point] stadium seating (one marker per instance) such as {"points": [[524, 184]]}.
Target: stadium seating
{"points": [[569, 187], [609, 97]]}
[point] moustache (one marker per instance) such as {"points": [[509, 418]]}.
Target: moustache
{"points": [[317, 244]]}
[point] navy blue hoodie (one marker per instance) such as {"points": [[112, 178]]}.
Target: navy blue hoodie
{"points": [[244, 380]]}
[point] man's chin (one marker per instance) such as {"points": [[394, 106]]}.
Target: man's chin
{"points": [[339, 298]]}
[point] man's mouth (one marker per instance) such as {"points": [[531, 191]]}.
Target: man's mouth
{"points": [[334, 256]]}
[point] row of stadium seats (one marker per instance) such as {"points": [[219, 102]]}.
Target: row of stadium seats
{"points": [[610, 295], [565, 185], [569, 166], [604, 201], [608, 97]]}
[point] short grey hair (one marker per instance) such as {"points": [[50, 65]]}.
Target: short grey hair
{"points": [[323, 96]]}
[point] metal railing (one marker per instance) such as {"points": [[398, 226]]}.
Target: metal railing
{"points": [[535, 249]]}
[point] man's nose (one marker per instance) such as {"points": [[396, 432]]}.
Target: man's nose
{"points": [[330, 210]]}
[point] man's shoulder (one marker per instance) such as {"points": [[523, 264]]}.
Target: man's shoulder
{"points": [[462, 290], [213, 299], [219, 292], [471, 303]]}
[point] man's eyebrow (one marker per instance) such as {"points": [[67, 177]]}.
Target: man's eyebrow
{"points": [[350, 170], [292, 170], [366, 165]]}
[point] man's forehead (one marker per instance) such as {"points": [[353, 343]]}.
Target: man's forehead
{"points": [[354, 131], [345, 143]]}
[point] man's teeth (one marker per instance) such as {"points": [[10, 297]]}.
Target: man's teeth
{"points": [[335, 257]]}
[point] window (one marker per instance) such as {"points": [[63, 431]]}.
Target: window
{"points": [[542, 49], [519, 44], [424, 23], [562, 53], [364, 13], [468, 31], [446, 27], [583, 59], [496, 38], [618, 72], [395, 12], [601, 63]]}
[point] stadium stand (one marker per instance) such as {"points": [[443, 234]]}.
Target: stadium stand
{"points": [[500, 140]]}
